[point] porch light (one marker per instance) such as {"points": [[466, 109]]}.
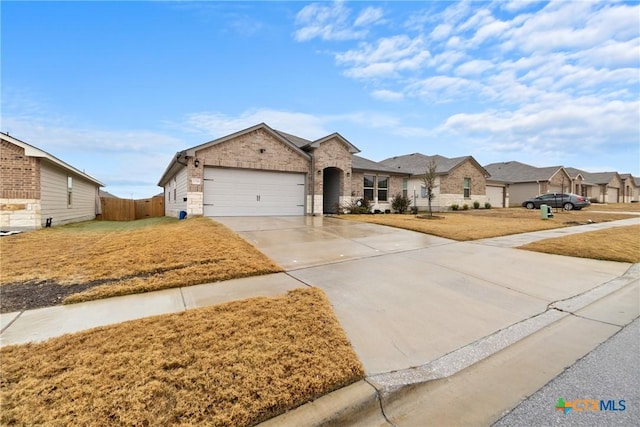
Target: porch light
{"points": [[319, 171], [262, 150], [196, 162]]}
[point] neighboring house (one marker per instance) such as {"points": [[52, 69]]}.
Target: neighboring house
{"points": [[459, 180], [606, 187], [37, 189], [525, 181], [631, 186], [262, 171]]}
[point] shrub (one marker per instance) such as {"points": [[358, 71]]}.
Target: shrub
{"points": [[387, 211], [377, 211], [400, 203], [455, 207], [487, 205], [414, 210], [356, 206], [465, 207], [476, 204]]}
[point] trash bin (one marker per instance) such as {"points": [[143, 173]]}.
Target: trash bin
{"points": [[545, 212], [182, 215]]}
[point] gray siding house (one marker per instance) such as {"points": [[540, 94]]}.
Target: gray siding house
{"points": [[525, 181]]}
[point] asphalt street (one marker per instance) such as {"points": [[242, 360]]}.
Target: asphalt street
{"points": [[611, 372]]}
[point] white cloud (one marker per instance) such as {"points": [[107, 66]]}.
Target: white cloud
{"points": [[214, 124], [574, 125], [370, 15], [387, 95], [328, 22], [443, 88], [385, 58], [441, 32], [474, 67]]}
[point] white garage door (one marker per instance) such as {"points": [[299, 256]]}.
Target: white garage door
{"points": [[245, 192], [494, 195], [612, 195]]}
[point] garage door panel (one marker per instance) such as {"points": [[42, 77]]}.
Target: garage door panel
{"points": [[244, 192]]}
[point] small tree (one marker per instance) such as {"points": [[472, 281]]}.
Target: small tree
{"points": [[400, 203], [429, 180]]}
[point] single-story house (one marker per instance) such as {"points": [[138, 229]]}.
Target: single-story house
{"points": [[525, 181], [38, 189], [631, 185], [459, 180], [605, 187], [263, 171]]}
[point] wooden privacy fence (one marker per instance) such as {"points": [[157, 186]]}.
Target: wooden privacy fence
{"points": [[114, 209]]}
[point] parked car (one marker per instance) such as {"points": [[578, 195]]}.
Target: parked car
{"points": [[566, 201]]}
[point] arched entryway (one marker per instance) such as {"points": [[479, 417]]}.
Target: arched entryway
{"points": [[331, 183]]}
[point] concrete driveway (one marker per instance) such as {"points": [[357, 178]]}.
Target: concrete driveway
{"points": [[406, 298]]}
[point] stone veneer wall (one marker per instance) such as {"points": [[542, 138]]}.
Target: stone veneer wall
{"points": [[20, 207]]}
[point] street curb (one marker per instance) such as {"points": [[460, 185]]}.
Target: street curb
{"points": [[356, 403], [360, 402]]}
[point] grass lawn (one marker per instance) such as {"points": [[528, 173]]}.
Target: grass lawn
{"points": [[622, 207], [233, 364], [483, 223], [613, 244], [117, 258]]}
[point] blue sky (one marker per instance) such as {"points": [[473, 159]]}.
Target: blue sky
{"points": [[117, 88]]}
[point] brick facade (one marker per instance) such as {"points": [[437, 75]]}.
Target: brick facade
{"points": [[453, 182], [19, 174], [253, 150], [333, 154]]}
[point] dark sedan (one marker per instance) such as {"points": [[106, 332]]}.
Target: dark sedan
{"points": [[566, 201]]}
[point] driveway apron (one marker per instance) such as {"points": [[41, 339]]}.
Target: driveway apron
{"points": [[405, 298]]}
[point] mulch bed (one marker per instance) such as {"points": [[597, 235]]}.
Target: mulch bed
{"points": [[27, 296]]}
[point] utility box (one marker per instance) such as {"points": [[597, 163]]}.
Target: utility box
{"points": [[546, 212]]}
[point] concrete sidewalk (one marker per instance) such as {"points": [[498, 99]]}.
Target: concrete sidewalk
{"points": [[44, 323], [418, 309], [516, 240]]}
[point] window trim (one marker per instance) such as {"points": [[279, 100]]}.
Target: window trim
{"points": [[69, 191], [385, 189], [466, 188], [372, 188]]}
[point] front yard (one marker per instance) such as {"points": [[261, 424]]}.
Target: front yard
{"points": [[615, 244], [99, 259], [233, 364], [477, 224]]}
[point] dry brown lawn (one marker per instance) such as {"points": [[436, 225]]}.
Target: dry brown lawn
{"points": [[614, 244], [621, 207], [125, 258], [233, 364], [484, 223]]}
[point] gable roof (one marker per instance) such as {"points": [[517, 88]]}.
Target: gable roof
{"points": [[515, 172], [360, 163], [190, 152], [600, 177], [176, 164], [31, 151], [417, 163]]}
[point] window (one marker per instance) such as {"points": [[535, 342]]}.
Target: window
{"points": [[69, 191], [405, 183], [383, 185], [369, 182], [423, 192], [467, 188]]}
